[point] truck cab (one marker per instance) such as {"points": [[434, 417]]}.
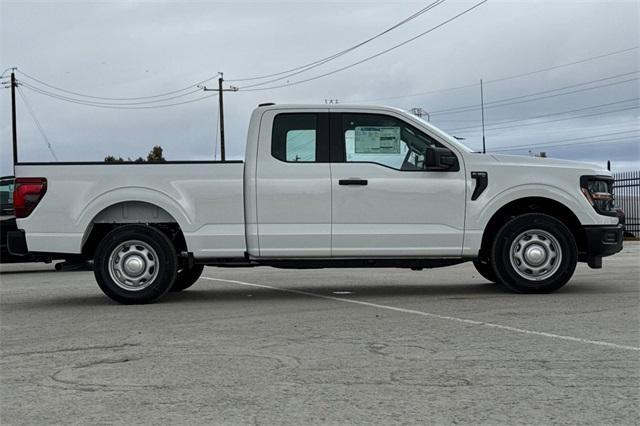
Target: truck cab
{"points": [[324, 182]]}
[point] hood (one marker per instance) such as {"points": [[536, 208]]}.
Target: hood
{"points": [[523, 160]]}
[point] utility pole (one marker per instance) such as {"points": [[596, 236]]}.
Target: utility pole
{"points": [[13, 116], [221, 111], [484, 147], [220, 91]]}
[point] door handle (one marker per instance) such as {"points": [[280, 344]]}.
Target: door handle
{"points": [[353, 181]]}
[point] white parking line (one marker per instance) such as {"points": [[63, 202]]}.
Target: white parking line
{"points": [[430, 315]]}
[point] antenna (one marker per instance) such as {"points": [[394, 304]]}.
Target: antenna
{"points": [[484, 147]]}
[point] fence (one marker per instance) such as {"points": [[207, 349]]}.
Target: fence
{"points": [[627, 192]]}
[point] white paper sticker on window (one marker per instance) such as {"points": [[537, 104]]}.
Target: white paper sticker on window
{"points": [[377, 140]]}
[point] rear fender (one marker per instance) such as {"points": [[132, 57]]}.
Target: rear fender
{"points": [[182, 214]]}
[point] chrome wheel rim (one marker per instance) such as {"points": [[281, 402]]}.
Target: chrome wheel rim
{"points": [[133, 265], [535, 255]]}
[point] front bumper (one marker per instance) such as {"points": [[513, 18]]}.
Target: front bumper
{"points": [[601, 241]]}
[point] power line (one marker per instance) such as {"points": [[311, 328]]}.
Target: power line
{"points": [[581, 61], [304, 68], [114, 99], [568, 118], [10, 68], [624, 139], [495, 80], [372, 56], [577, 138], [505, 101], [112, 103], [293, 69], [553, 131], [80, 102], [545, 115], [38, 125]]}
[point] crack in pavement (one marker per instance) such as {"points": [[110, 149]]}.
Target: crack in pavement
{"points": [[74, 349], [76, 384]]}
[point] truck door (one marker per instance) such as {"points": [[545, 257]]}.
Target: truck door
{"points": [[293, 185], [385, 203]]}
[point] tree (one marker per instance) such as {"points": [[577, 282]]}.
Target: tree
{"points": [[112, 159], [154, 156]]}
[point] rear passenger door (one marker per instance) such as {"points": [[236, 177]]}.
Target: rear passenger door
{"points": [[293, 185]]}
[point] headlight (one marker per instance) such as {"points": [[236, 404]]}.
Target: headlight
{"points": [[598, 190]]}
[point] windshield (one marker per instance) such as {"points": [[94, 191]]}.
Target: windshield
{"points": [[444, 135]]}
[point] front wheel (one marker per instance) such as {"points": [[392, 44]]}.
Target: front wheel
{"points": [[534, 253], [135, 264]]}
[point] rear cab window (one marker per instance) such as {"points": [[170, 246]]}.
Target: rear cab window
{"points": [[300, 137]]}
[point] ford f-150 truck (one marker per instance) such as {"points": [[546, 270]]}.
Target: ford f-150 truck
{"points": [[322, 186]]}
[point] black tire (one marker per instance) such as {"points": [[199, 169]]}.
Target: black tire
{"points": [[154, 251], [187, 277], [486, 270], [515, 256]]}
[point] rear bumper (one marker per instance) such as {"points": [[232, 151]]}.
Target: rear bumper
{"points": [[17, 243], [16, 251]]}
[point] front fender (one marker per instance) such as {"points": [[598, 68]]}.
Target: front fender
{"points": [[574, 202], [480, 211]]}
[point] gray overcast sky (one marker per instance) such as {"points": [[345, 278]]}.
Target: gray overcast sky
{"points": [[135, 48]]}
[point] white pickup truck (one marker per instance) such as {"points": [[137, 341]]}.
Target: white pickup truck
{"points": [[322, 187]]}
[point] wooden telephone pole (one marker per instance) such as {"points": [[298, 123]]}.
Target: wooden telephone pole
{"points": [[14, 128], [220, 91]]}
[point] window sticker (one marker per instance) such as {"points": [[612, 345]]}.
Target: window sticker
{"points": [[377, 140]]}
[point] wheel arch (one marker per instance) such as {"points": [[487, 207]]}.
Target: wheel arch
{"points": [[109, 212], [533, 204]]}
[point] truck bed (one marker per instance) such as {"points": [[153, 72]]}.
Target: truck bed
{"points": [[204, 198]]}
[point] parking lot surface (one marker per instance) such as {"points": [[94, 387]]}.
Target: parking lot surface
{"points": [[268, 346]]}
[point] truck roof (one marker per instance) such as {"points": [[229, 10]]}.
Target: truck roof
{"points": [[329, 106]]}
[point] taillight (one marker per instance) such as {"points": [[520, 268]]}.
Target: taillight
{"points": [[27, 193]]}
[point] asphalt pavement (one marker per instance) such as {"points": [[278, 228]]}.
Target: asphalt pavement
{"points": [[350, 346]]}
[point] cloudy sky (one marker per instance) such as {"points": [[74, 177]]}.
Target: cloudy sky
{"points": [[136, 49]]}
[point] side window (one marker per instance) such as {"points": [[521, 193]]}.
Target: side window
{"points": [[384, 140], [294, 137]]}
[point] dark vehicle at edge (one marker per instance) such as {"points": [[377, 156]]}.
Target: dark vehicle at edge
{"points": [[8, 223]]}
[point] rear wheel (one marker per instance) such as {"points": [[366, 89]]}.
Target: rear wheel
{"points": [[534, 253], [135, 264], [187, 277]]}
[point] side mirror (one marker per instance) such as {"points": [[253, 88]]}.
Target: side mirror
{"points": [[437, 158]]}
